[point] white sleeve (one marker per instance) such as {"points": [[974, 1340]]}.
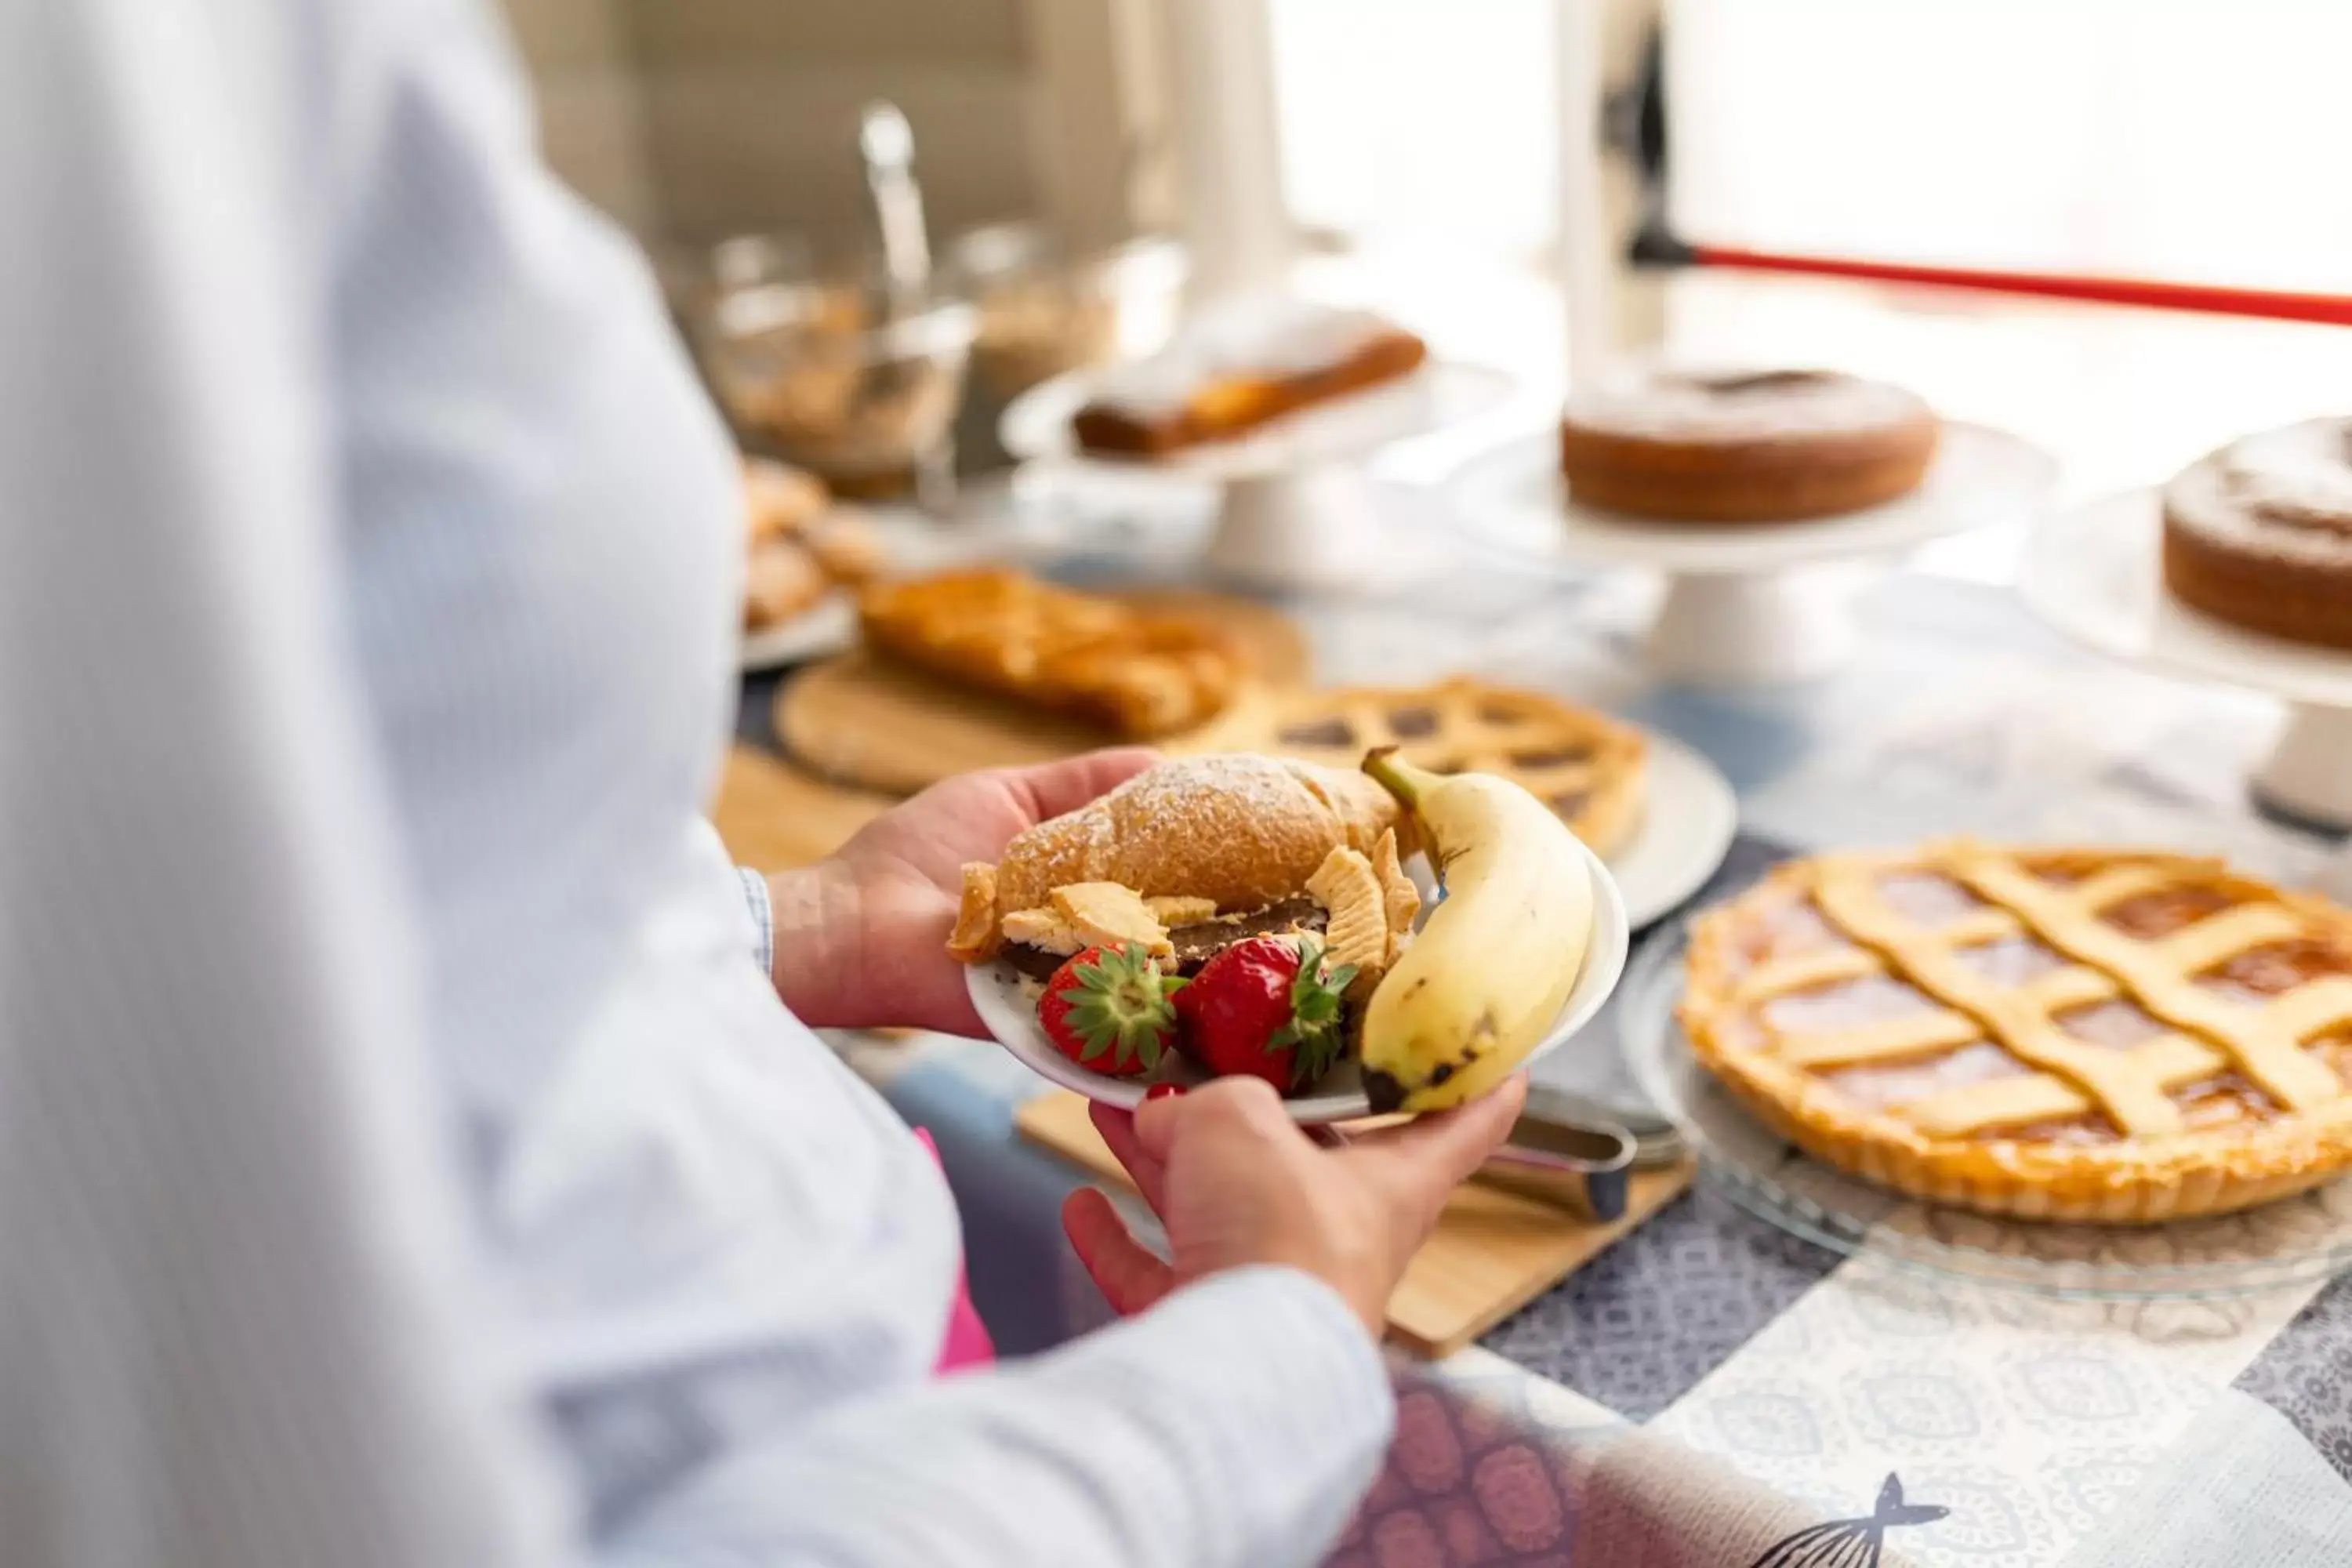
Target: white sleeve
{"points": [[1234, 1426], [235, 1327]]}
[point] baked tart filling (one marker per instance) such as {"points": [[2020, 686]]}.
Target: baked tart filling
{"points": [[2061, 1034], [1585, 765]]}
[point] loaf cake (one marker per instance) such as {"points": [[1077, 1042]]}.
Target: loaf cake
{"points": [[1238, 366]]}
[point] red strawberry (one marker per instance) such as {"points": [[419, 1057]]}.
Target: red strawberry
{"points": [[1269, 1006], [1107, 1009]]}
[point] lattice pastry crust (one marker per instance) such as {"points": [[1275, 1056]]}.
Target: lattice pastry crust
{"points": [[2051, 1034], [1585, 765]]}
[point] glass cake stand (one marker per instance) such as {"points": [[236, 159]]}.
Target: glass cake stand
{"points": [[1295, 504], [1746, 605], [2292, 1241], [2095, 572]]}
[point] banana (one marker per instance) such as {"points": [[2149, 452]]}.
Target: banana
{"points": [[1494, 963]]}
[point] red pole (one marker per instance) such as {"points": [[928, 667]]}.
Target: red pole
{"points": [[2268, 304]]}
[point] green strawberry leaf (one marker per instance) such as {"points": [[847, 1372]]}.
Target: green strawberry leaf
{"points": [[1120, 1004], [1317, 1000]]}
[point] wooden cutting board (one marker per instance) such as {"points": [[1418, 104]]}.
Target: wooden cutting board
{"points": [[869, 724], [1494, 1251], [773, 816]]}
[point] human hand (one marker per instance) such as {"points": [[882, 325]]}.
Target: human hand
{"points": [[1236, 1182], [861, 937]]}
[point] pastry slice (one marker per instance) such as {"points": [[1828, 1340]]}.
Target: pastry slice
{"points": [[1138, 675]]}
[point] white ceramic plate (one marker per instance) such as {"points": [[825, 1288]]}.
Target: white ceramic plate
{"points": [[2096, 574], [826, 627], [1689, 816], [1513, 500], [1011, 1014], [1438, 394]]}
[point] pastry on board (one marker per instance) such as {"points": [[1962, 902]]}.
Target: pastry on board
{"points": [[1767, 445], [1137, 674], [2059, 1034], [2260, 534]]}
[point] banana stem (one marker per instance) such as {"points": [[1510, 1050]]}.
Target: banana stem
{"points": [[1399, 777]]}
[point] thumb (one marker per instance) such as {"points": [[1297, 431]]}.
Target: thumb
{"points": [[1429, 1157]]}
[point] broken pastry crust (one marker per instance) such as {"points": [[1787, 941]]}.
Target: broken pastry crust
{"points": [[1091, 914], [1400, 898], [1044, 930], [974, 939], [1182, 911], [1113, 915], [1357, 931]]}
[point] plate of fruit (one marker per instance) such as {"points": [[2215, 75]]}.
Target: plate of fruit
{"points": [[1368, 942]]}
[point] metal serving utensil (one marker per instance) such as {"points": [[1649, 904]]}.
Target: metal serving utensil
{"points": [[1658, 1143], [887, 144], [1567, 1150]]}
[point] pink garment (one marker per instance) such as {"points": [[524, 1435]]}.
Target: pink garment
{"points": [[967, 1342]]}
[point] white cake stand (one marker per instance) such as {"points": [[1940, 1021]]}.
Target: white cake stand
{"points": [[2095, 572], [1297, 509], [1745, 603]]}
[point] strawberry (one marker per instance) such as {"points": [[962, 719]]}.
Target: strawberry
{"points": [[1107, 1009], [1269, 1006]]}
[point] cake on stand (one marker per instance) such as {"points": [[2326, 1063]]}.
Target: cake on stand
{"points": [[1294, 508], [2095, 572], [1745, 603]]}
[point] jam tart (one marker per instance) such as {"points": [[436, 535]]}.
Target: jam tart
{"points": [[2051, 1034], [1585, 765]]}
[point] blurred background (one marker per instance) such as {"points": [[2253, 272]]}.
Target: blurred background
{"points": [[1418, 150]]}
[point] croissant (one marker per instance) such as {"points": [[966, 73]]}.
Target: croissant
{"points": [[1242, 830]]}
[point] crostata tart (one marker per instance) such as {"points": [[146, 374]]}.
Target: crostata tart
{"points": [[1582, 764], [2051, 1034]]}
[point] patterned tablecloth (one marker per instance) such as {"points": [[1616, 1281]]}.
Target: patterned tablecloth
{"points": [[1710, 1390]]}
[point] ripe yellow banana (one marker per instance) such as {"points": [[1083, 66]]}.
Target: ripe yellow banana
{"points": [[1494, 963]]}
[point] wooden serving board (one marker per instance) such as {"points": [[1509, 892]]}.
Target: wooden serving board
{"points": [[774, 817], [875, 725], [1494, 1250]]}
